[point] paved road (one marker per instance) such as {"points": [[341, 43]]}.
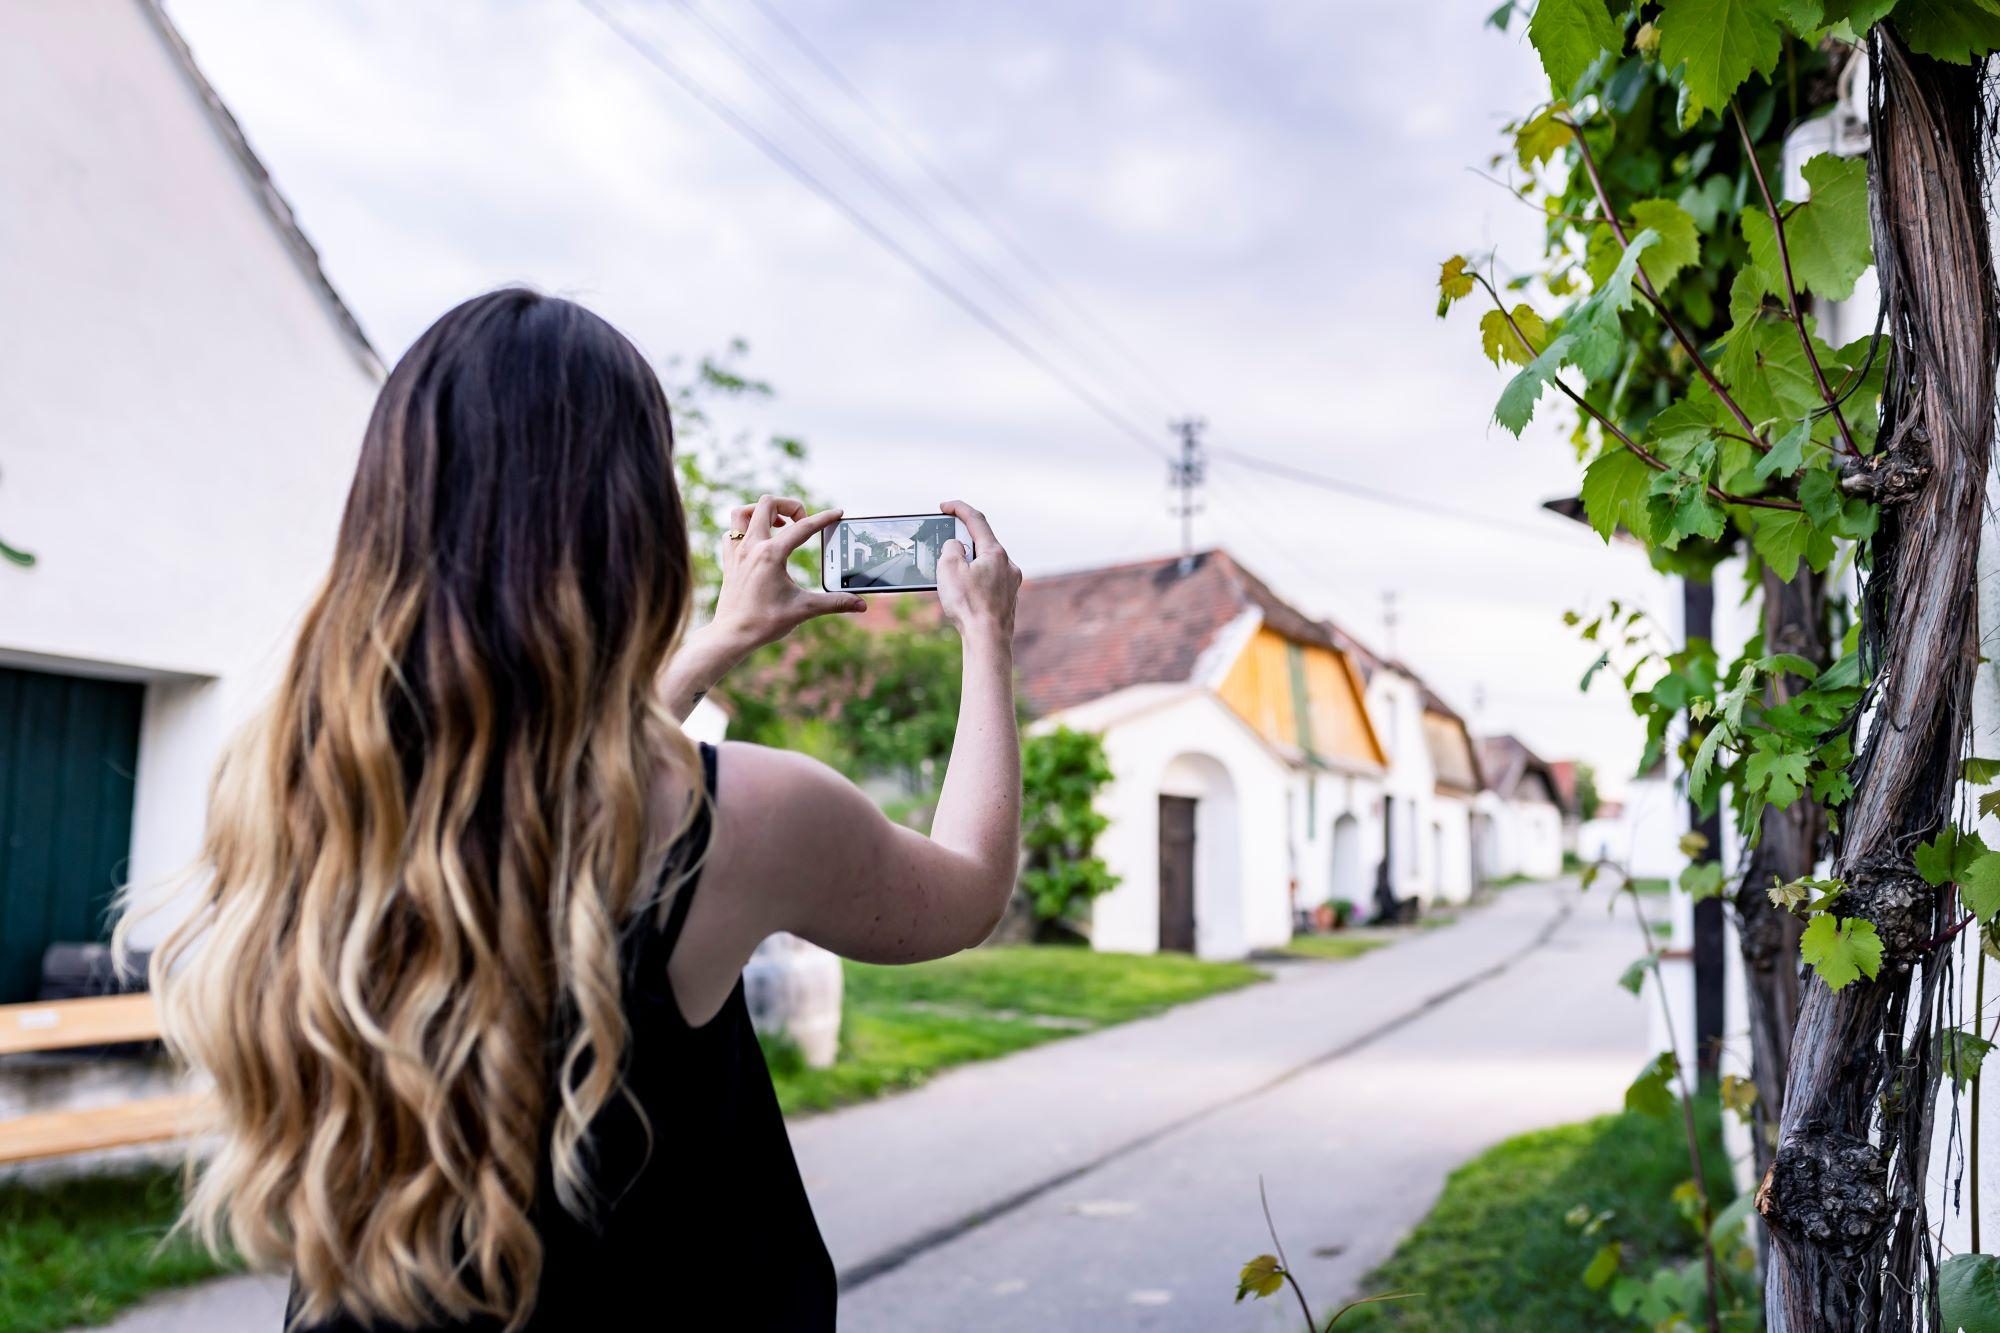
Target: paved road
{"points": [[1110, 1181]]}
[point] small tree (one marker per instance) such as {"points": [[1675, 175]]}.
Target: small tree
{"points": [[1062, 771]]}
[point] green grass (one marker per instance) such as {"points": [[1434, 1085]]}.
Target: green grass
{"points": [[1496, 1252], [79, 1251], [901, 1025], [1336, 947]]}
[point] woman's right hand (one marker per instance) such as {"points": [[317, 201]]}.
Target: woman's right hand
{"points": [[977, 594]]}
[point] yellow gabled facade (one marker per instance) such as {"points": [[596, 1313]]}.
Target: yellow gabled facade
{"points": [[1304, 696]]}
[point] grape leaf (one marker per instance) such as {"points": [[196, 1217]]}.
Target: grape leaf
{"points": [[1593, 325], [1516, 407], [1766, 369], [1861, 14], [1820, 494], [1569, 35], [1541, 136], [1841, 951], [1784, 537], [1827, 236], [1979, 772], [1979, 886], [1614, 493], [1960, 1054], [1261, 1277], [1502, 340], [1717, 44], [1703, 880], [1453, 282], [1804, 16], [1633, 978], [1788, 453], [1679, 505], [1969, 1293], [1989, 805], [1738, 1094], [1776, 769], [1679, 429], [1934, 858], [1603, 1266], [1679, 245], [1652, 1092], [1954, 30]]}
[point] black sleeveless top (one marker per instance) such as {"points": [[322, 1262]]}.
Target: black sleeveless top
{"points": [[709, 1229]]}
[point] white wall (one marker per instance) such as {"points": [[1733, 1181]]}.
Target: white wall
{"points": [[1395, 705], [1338, 837], [1193, 746], [1450, 837], [182, 408], [1527, 837]]}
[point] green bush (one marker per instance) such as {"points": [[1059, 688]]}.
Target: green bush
{"points": [[1061, 773]]}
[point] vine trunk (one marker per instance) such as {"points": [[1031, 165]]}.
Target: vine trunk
{"points": [[1845, 1194]]}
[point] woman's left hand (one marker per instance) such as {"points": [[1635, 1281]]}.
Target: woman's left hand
{"points": [[760, 602]]}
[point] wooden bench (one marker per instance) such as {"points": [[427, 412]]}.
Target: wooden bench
{"points": [[67, 1024]]}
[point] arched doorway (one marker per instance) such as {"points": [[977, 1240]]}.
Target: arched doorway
{"points": [[1201, 902], [1350, 874]]}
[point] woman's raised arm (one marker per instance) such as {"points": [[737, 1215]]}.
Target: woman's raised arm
{"points": [[760, 601], [810, 853]]}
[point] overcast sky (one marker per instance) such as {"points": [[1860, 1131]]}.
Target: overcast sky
{"points": [[1252, 197]]}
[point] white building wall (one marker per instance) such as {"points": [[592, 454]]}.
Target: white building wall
{"points": [[1192, 745], [1338, 861], [1451, 840], [183, 407], [1395, 705]]}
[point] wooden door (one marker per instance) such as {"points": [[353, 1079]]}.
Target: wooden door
{"points": [[68, 748], [1177, 873]]}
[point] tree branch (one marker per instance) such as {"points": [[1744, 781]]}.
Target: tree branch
{"points": [[1640, 451], [1646, 283], [1791, 287], [1284, 1264]]}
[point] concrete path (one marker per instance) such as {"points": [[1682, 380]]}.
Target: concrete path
{"points": [[1353, 1140], [1110, 1181]]}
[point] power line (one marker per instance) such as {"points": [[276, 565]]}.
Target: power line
{"points": [[967, 304], [798, 171], [1305, 477], [858, 158], [962, 198]]}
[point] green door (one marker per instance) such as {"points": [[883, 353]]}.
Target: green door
{"points": [[68, 749]]}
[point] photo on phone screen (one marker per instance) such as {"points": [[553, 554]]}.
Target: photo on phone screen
{"points": [[898, 553]]}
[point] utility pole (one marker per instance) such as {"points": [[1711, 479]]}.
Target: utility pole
{"points": [[1185, 474]]}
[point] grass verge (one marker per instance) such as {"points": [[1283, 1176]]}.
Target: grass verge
{"points": [[1335, 947], [901, 1025], [1496, 1252], [79, 1251]]}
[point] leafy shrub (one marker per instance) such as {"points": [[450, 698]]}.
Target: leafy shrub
{"points": [[1061, 773]]}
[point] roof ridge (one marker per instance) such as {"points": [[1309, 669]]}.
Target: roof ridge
{"points": [[275, 205]]}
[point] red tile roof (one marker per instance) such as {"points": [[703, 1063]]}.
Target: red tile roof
{"points": [[1086, 634], [1513, 771]]}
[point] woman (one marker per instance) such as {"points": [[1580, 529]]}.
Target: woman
{"points": [[466, 966]]}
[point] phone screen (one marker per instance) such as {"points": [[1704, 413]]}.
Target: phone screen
{"points": [[897, 553]]}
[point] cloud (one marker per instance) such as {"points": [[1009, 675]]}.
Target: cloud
{"points": [[1253, 196]]}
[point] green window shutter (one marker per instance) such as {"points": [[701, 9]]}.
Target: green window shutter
{"points": [[1295, 658], [69, 748]]}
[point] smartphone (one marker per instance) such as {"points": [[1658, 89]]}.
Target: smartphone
{"points": [[889, 553]]}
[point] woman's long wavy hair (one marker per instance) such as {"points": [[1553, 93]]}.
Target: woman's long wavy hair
{"points": [[403, 975]]}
